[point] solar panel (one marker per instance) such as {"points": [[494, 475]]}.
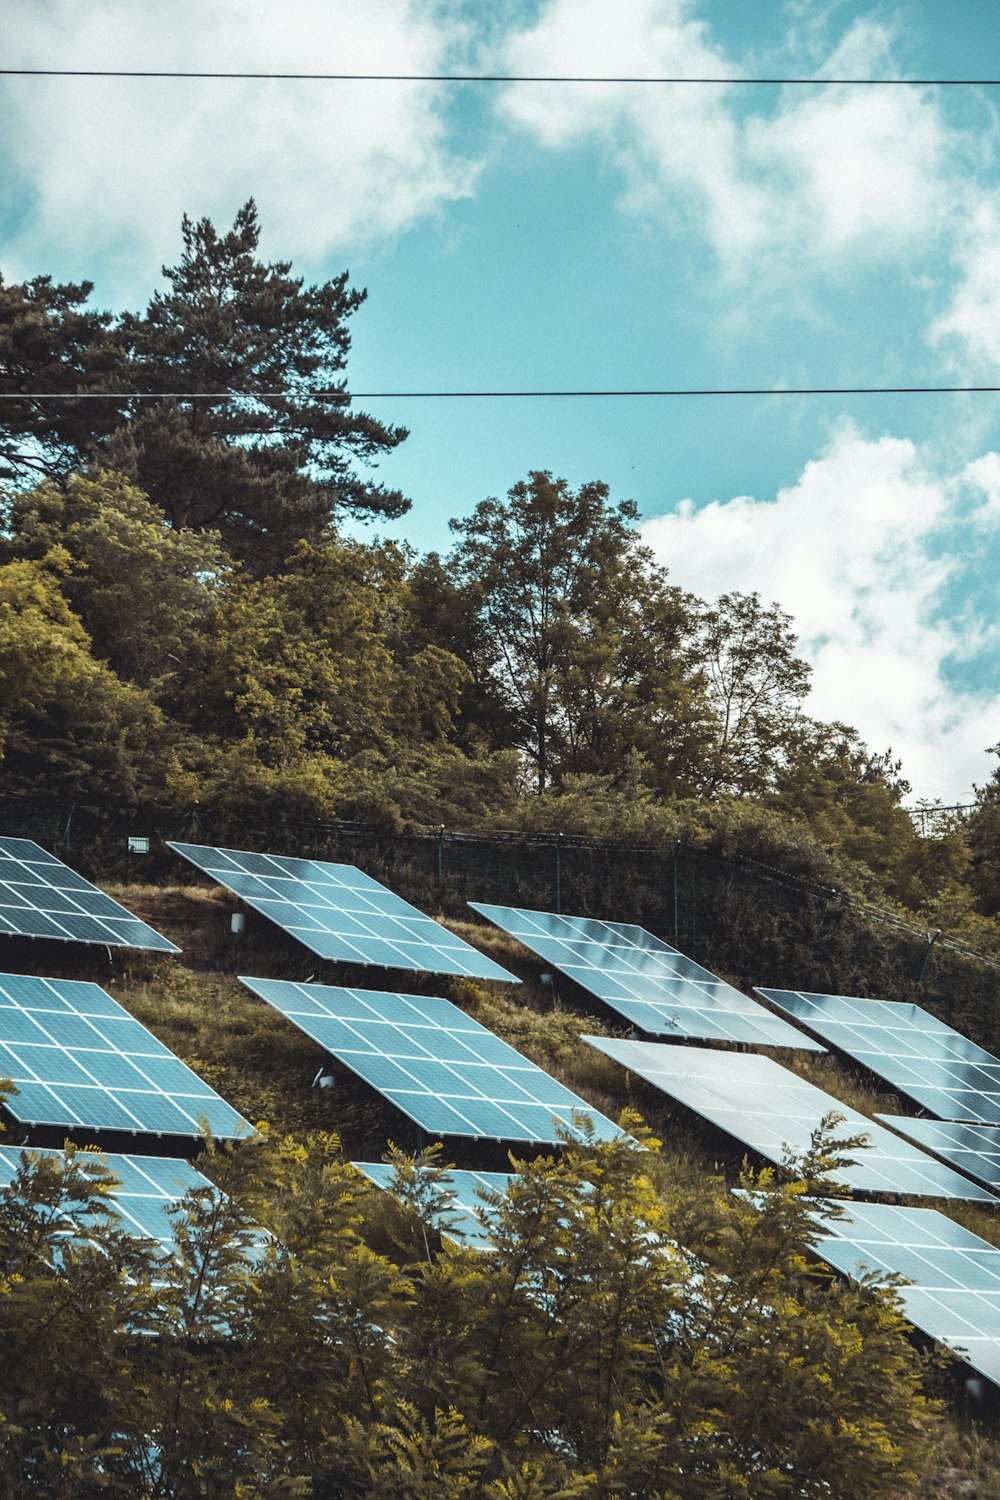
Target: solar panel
{"points": [[435, 1063], [79, 1059], [974, 1149], [41, 897], [771, 1109], [342, 914], [147, 1187], [914, 1052], [955, 1295], [460, 1219], [651, 984]]}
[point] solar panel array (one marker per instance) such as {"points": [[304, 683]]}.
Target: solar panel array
{"points": [[79, 1059], [973, 1149], [771, 1109], [920, 1056], [40, 897], [460, 1219], [340, 913], [435, 1063], [147, 1187], [652, 985], [955, 1296]]}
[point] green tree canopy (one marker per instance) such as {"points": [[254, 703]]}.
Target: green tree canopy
{"points": [[264, 470], [318, 659], [52, 343], [755, 686], [582, 641], [68, 726], [141, 589], [275, 463], [627, 1335]]}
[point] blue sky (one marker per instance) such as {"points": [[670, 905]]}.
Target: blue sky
{"points": [[539, 236]]}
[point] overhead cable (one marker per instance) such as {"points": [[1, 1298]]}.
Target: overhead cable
{"points": [[344, 395], [220, 73]]}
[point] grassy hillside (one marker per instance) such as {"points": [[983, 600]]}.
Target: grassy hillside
{"points": [[265, 1067]]}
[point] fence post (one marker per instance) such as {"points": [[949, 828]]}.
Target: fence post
{"points": [[932, 938], [677, 905]]}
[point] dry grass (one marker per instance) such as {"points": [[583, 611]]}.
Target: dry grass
{"points": [[264, 1066]]}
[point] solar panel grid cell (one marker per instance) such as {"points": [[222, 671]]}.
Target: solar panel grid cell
{"points": [[433, 1061], [340, 913], [647, 981], [771, 1110], [10, 896], [78, 1058], [41, 897], [916, 1053], [955, 1296]]}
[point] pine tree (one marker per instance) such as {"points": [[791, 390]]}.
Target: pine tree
{"points": [[265, 469]]}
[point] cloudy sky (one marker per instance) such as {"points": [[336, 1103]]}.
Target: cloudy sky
{"points": [[552, 236]]}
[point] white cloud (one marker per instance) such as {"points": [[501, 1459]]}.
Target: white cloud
{"points": [[983, 476], [110, 165], [973, 318], [852, 550], [867, 172]]}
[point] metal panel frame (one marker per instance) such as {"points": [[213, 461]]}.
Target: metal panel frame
{"points": [[444, 1070], [771, 1109], [40, 897], [654, 986], [916, 1053], [340, 913]]}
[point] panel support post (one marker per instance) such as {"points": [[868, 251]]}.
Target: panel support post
{"points": [[932, 938]]}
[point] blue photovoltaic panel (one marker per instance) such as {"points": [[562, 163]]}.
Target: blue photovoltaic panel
{"points": [[914, 1052], [342, 914], [651, 984], [460, 1219], [147, 1187], [771, 1109], [79, 1059], [444, 1070], [955, 1292], [43, 898], [973, 1149]]}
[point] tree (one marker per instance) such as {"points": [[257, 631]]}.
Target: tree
{"points": [[755, 686], [983, 834], [581, 639], [277, 463], [851, 799], [50, 342], [627, 1334], [141, 590], [44, 649], [317, 660], [68, 727]]}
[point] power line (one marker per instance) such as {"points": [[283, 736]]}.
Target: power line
{"points": [[335, 395], [987, 83]]}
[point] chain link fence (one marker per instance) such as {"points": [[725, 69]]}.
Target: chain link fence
{"points": [[758, 923]]}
